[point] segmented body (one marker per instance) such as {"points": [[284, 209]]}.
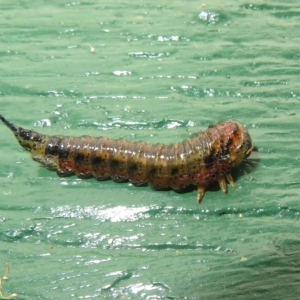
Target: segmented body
{"points": [[206, 157]]}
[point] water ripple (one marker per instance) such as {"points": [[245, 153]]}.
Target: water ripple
{"points": [[113, 214]]}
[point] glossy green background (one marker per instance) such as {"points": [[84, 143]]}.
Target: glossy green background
{"points": [[159, 73]]}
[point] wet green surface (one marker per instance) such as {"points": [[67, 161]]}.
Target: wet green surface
{"points": [[158, 73]]}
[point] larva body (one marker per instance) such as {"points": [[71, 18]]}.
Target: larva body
{"points": [[206, 157]]}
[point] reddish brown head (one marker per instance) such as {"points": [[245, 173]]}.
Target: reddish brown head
{"points": [[236, 140]]}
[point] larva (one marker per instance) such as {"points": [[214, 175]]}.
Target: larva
{"points": [[206, 157]]}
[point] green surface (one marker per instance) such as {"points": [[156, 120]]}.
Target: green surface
{"points": [[81, 239]]}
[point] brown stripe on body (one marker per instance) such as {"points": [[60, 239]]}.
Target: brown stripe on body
{"points": [[82, 153], [137, 164], [208, 156], [172, 166], [150, 156], [160, 178], [163, 170], [179, 173], [145, 162], [100, 158], [136, 149], [195, 158], [119, 160], [49, 158], [190, 156], [52, 145], [214, 161], [66, 164], [221, 147], [158, 168]]}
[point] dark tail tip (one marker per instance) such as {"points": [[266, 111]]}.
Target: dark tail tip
{"points": [[10, 125]]}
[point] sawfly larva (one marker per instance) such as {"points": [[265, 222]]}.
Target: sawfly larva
{"points": [[206, 157]]}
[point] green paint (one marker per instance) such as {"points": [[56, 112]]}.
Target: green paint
{"points": [[118, 241]]}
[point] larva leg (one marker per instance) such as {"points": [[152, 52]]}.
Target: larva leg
{"points": [[249, 150], [222, 184], [201, 191], [230, 180]]}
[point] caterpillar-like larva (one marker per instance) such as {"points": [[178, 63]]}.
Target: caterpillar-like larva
{"points": [[206, 157]]}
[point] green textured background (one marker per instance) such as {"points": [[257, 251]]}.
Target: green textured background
{"points": [[159, 73]]}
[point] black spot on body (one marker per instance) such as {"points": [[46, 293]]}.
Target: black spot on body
{"points": [[97, 160], [174, 171], [63, 153], [132, 167], [229, 142], [37, 138], [209, 159], [79, 157], [25, 134], [52, 146], [152, 171], [114, 163]]}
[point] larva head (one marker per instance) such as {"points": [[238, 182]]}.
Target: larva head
{"points": [[237, 141], [233, 141]]}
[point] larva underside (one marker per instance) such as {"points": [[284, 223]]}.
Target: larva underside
{"points": [[206, 157]]}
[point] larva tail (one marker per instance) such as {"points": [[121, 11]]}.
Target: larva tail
{"points": [[10, 125], [31, 141]]}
